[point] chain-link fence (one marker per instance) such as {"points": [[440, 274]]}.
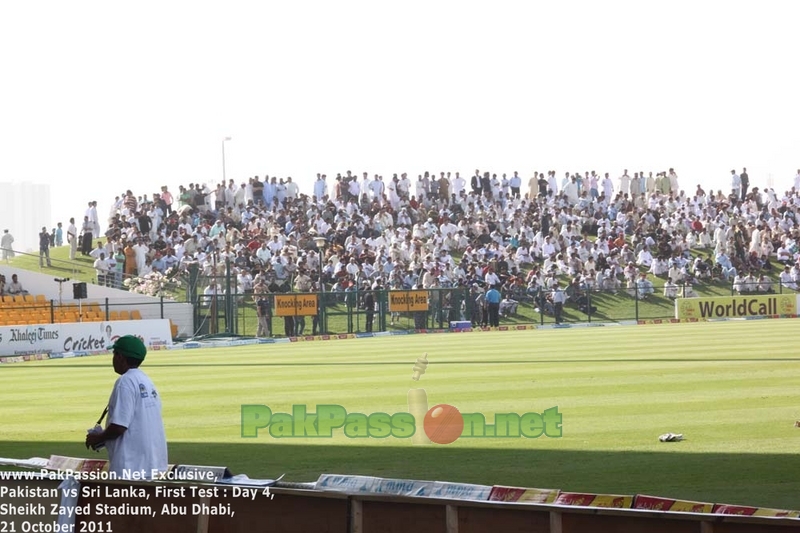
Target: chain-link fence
{"points": [[278, 313]]}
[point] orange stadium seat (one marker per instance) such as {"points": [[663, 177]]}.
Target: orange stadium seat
{"points": [[136, 315], [113, 315], [124, 315]]}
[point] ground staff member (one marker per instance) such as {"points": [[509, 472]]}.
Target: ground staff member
{"points": [[134, 434], [493, 306]]}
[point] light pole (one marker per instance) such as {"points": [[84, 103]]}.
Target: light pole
{"points": [[320, 242], [223, 158]]}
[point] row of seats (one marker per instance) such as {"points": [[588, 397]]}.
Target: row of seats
{"points": [[19, 300], [65, 314]]}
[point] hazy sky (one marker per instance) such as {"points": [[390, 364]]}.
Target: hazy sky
{"points": [[99, 97]]}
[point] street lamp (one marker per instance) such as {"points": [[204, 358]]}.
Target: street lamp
{"points": [[321, 243], [223, 157]]}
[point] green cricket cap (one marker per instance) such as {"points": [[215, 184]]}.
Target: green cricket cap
{"points": [[130, 346]]}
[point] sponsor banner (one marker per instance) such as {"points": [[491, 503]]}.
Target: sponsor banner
{"points": [[407, 301], [403, 487], [94, 465], [594, 500], [460, 491], [516, 494], [668, 321], [742, 510], [191, 345], [295, 304], [346, 483], [736, 306], [776, 513], [61, 462], [37, 341], [653, 503], [25, 358]]}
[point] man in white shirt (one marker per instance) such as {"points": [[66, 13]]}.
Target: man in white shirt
{"points": [[320, 188], [787, 280], [134, 434], [736, 184], [645, 258], [72, 238], [7, 243], [101, 267], [670, 289]]}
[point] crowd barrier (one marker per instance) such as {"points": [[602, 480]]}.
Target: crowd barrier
{"points": [[302, 314], [220, 502]]}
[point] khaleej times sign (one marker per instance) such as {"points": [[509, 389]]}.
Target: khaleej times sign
{"points": [[81, 337], [736, 306]]}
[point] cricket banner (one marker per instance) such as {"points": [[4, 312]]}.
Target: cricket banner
{"points": [[654, 503], [295, 304], [522, 495], [408, 301], [594, 500], [736, 306], [89, 337]]}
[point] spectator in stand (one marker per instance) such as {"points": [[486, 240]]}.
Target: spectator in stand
{"points": [[786, 279], [7, 243], [670, 289], [72, 238], [644, 286], [101, 269], [765, 284], [727, 269], [387, 242], [44, 248], [15, 287], [86, 236]]}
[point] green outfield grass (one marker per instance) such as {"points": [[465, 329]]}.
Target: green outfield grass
{"points": [[731, 388]]}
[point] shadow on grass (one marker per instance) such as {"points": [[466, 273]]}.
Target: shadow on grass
{"points": [[766, 480], [637, 360]]}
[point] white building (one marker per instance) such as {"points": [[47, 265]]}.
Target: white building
{"points": [[24, 209]]}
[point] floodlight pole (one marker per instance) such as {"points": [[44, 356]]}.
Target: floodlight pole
{"points": [[223, 159]]}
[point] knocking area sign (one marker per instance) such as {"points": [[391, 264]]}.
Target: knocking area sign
{"points": [[295, 304], [404, 301]]}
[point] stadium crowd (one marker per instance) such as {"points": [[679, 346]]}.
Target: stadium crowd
{"points": [[520, 236]]}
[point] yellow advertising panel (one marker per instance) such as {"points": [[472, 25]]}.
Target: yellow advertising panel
{"points": [[401, 301], [295, 304], [736, 306]]}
